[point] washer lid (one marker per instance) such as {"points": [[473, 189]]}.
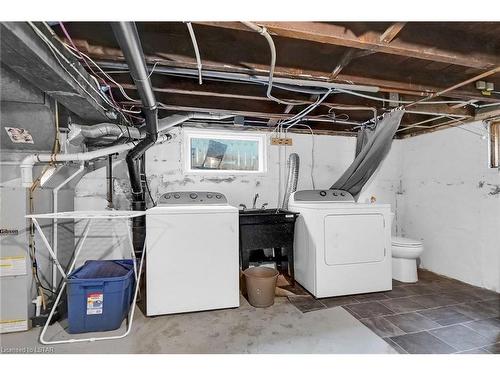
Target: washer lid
{"points": [[403, 241]]}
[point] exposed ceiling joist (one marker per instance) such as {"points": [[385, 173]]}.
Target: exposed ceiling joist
{"points": [[409, 132], [346, 58], [488, 113], [391, 32], [411, 87], [384, 85], [330, 33], [432, 109]]}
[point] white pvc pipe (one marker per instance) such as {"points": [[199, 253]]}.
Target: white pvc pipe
{"points": [[30, 160]]}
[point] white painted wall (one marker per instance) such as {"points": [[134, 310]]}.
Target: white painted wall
{"points": [[165, 171], [332, 156], [438, 184], [451, 202], [164, 168]]}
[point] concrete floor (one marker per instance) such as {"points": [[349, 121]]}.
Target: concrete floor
{"points": [[277, 329]]}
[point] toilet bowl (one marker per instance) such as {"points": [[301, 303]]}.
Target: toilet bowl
{"points": [[405, 252]]}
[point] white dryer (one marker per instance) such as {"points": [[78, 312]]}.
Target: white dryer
{"points": [[192, 256], [341, 247]]}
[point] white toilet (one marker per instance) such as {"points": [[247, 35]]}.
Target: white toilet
{"points": [[405, 252]]}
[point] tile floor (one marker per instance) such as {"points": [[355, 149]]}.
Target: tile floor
{"points": [[434, 315]]}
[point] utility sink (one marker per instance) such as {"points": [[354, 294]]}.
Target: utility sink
{"points": [[265, 211], [270, 228]]}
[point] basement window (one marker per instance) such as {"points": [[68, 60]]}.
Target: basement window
{"points": [[494, 147], [223, 152]]}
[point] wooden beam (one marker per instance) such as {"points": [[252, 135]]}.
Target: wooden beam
{"points": [[391, 32], [101, 53], [487, 113], [351, 54], [488, 73], [430, 110], [246, 113], [330, 33], [346, 58], [385, 85], [432, 128], [438, 109], [128, 86]]}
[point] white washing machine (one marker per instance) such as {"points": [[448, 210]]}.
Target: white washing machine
{"points": [[341, 247], [192, 256]]}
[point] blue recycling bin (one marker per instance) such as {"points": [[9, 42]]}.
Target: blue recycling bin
{"points": [[99, 295]]}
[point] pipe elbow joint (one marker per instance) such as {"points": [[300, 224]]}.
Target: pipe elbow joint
{"points": [[27, 171]]}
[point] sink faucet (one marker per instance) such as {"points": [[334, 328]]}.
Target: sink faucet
{"points": [[243, 207], [264, 206], [255, 200]]}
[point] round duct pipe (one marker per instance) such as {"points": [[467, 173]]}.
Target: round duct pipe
{"points": [[293, 177]]}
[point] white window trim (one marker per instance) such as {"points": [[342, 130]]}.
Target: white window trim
{"points": [[188, 134]]}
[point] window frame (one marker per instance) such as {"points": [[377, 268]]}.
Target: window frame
{"points": [[494, 145], [189, 134]]}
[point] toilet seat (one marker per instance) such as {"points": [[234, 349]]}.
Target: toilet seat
{"points": [[406, 248], [406, 252], [405, 242]]}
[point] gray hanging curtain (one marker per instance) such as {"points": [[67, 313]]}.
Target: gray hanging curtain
{"points": [[371, 148], [364, 133]]}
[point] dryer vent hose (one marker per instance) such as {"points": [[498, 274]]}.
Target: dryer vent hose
{"points": [[293, 177]]}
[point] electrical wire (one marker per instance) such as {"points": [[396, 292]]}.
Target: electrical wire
{"points": [[86, 59], [296, 119], [55, 52], [145, 182], [488, 105], [483, 136], [149, 192], [263, 31], [120, 87], [399, 101], [196, 51]]}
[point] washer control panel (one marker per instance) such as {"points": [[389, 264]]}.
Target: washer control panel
{"points": [[329, 195], [191, 197]]}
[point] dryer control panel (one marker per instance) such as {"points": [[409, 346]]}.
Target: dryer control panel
{"points": [[329, 195], [191, 198]]}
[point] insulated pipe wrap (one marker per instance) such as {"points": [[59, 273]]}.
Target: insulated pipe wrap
{"points": [[293, 177]]}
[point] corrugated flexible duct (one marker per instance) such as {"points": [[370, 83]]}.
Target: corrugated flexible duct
{"points": [[78, 133], [293, 177]]}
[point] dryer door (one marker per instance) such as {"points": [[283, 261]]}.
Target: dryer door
{"points": [[354, 238]]}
